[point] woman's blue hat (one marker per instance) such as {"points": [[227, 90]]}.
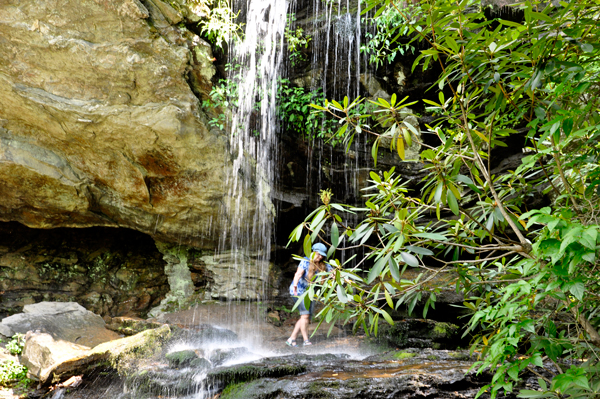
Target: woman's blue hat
{"points": [[320, 248]]}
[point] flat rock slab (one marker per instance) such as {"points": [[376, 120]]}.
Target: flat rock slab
{"points": [[66, 321]]}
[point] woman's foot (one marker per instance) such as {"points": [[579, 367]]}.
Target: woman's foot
{"points": [[292, 343], [307, 343]]}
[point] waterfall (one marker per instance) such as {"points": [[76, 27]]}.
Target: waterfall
{"points": [[253, 146]]}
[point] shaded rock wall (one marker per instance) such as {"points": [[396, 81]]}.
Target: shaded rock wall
{"points": [[109, 271], [121, 272], [99, 125]]}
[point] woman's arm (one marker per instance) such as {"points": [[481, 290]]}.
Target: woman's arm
{"points": [[297, 278]]}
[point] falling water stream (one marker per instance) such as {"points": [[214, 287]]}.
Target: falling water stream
{"points": [[253, 147]]}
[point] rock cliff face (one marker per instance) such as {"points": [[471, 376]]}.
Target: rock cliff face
{"points": [[99, 125]]}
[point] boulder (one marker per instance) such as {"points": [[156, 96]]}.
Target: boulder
{"points": [[237, 275], [119, 355], [221, 356], [99, 125], [179, 359], [419, 333], [42, 352], [63, 321]]}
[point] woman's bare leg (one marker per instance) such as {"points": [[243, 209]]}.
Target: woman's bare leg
{"points": [[296, 329], [304, 319], [301, 327]]}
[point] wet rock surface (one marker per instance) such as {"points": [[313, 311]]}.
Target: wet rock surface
{"points": [[414, 373], [201, 361]]}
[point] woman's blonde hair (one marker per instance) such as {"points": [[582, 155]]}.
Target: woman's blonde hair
{"points": [[314, 268]]}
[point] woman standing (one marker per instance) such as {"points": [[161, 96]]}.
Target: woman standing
{"points": [[304, 275]]}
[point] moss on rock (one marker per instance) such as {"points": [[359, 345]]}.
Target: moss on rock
{"points": [[181, 358], [404, 355]]}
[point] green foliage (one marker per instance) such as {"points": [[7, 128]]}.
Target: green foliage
{"points": [[15, 345], [12, 372], [294, 110], [382, 45], [529, 275], [220, 26], [224, 98], [296, 41], [359, 116]]}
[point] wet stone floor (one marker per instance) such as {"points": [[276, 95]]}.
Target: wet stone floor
{"points": [[238, 357]]}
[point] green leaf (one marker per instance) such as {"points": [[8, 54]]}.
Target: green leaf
{"points": [[431, 236], [452, 203], [409, 259], [307, 246], [528, 393], [426, 101], [335, 235], [452, 44], [577, 289], [374, 150], [419, 250], [388, 299], [387, 317], [315, 222], [341, 294], [513, 372], [407, 136], [315, 233], [541, 16], [296, 234], [438, 192], [375, 177], [394, 269], [377, 269], [567, 126], [536, 359]]}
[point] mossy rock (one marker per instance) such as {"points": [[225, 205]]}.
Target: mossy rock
{"points": [[130, 326], [118, 355], [206, 333], [122, 352], [181, 358], [418, 333], [163, 383], [262, 388], [404, 355], [460, 355], [223, 376], [200, 363]]}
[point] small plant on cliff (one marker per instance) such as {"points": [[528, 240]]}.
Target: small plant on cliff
{"points": [[224, 98], [220, 26], [296, 41], [294, 110], [382, 38]]}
